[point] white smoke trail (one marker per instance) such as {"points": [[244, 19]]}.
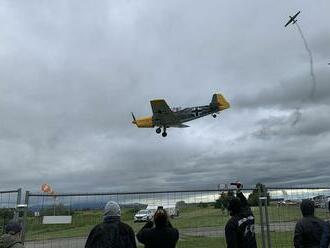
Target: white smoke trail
{"points": [[310, 61]]}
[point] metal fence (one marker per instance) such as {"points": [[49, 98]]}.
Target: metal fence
{"points": [[285, 212], [9, 200], [196, 214]]}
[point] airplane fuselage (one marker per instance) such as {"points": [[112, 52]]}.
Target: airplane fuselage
{"points": [[192, 113]]}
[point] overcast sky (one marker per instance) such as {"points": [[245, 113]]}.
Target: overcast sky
{"points": [[72, 71]]}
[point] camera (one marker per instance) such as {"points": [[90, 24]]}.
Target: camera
{"points": [[237, 184]]}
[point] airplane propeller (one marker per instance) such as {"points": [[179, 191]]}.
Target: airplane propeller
{"points": [[134, 120]]}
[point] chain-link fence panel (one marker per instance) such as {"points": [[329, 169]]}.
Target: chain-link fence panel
{"points": [[200, 216], [284, 211], [8, 203]]}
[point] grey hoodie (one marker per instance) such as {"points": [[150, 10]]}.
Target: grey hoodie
{"points": [[10, 241]]}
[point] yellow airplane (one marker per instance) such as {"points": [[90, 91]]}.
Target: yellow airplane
{"points": [[164, 117]]}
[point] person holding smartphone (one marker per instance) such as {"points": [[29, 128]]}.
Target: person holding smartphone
{"points": [[160, 233], [239, 230]]}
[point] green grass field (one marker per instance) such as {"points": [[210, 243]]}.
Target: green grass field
{"points": [[192, 217], [283, 240]]}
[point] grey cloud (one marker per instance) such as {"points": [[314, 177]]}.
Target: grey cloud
{"points": [[289, 93], [310, 122], [71, 73]]}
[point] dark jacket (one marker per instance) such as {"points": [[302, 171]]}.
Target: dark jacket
{"points": [[154, 237], [325, 240], [309, 229], [11, 241], [308, 232], [239, 229], [112, 233]]}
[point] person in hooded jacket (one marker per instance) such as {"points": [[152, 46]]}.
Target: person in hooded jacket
{"points": [[325, 240], [112, 233], [239, 230], [12, 236], [308, 230], [163, 235]]}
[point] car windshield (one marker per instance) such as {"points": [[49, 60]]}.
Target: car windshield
{"points": [[143, 212]]}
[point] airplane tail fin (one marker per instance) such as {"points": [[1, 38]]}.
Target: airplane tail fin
{"points": [[219, 101]]}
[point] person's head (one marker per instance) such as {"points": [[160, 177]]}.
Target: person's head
{"points": [[234, 206], [13, 228], [112, 209], [160, 217], [307, 207]]}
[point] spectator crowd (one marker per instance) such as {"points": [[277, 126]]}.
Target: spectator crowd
{"points": [[310, 231]]}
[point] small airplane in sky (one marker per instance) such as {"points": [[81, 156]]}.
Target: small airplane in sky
{"points": [[163, 117], [293, 19]]}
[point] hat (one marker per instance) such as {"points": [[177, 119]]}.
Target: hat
{"points": [[307, 207], [111, 209], [13, 228]]}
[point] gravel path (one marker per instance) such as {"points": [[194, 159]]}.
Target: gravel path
{"points": [[57, 243], [220, 232]]}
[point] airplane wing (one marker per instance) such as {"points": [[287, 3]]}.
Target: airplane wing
{"points": [[162, 114], [291, 19], [182, 126], [294, 17]]}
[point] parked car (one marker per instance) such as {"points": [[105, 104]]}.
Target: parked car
{"points": [[171, 209], [287, 203], [143, 215]]}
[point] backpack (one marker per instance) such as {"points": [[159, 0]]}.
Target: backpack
{"points": [[247, 231]]}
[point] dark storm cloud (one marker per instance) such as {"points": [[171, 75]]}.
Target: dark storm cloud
{"points": [[71, 73]]}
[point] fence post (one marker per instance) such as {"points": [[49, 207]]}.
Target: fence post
{"points": [[26, 201], [261, 218], [18, 201], [267, 218], [19, 196]]}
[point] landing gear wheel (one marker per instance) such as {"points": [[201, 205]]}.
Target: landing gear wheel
{"points": [[158, 130], [164, 134], [214, 115]]}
